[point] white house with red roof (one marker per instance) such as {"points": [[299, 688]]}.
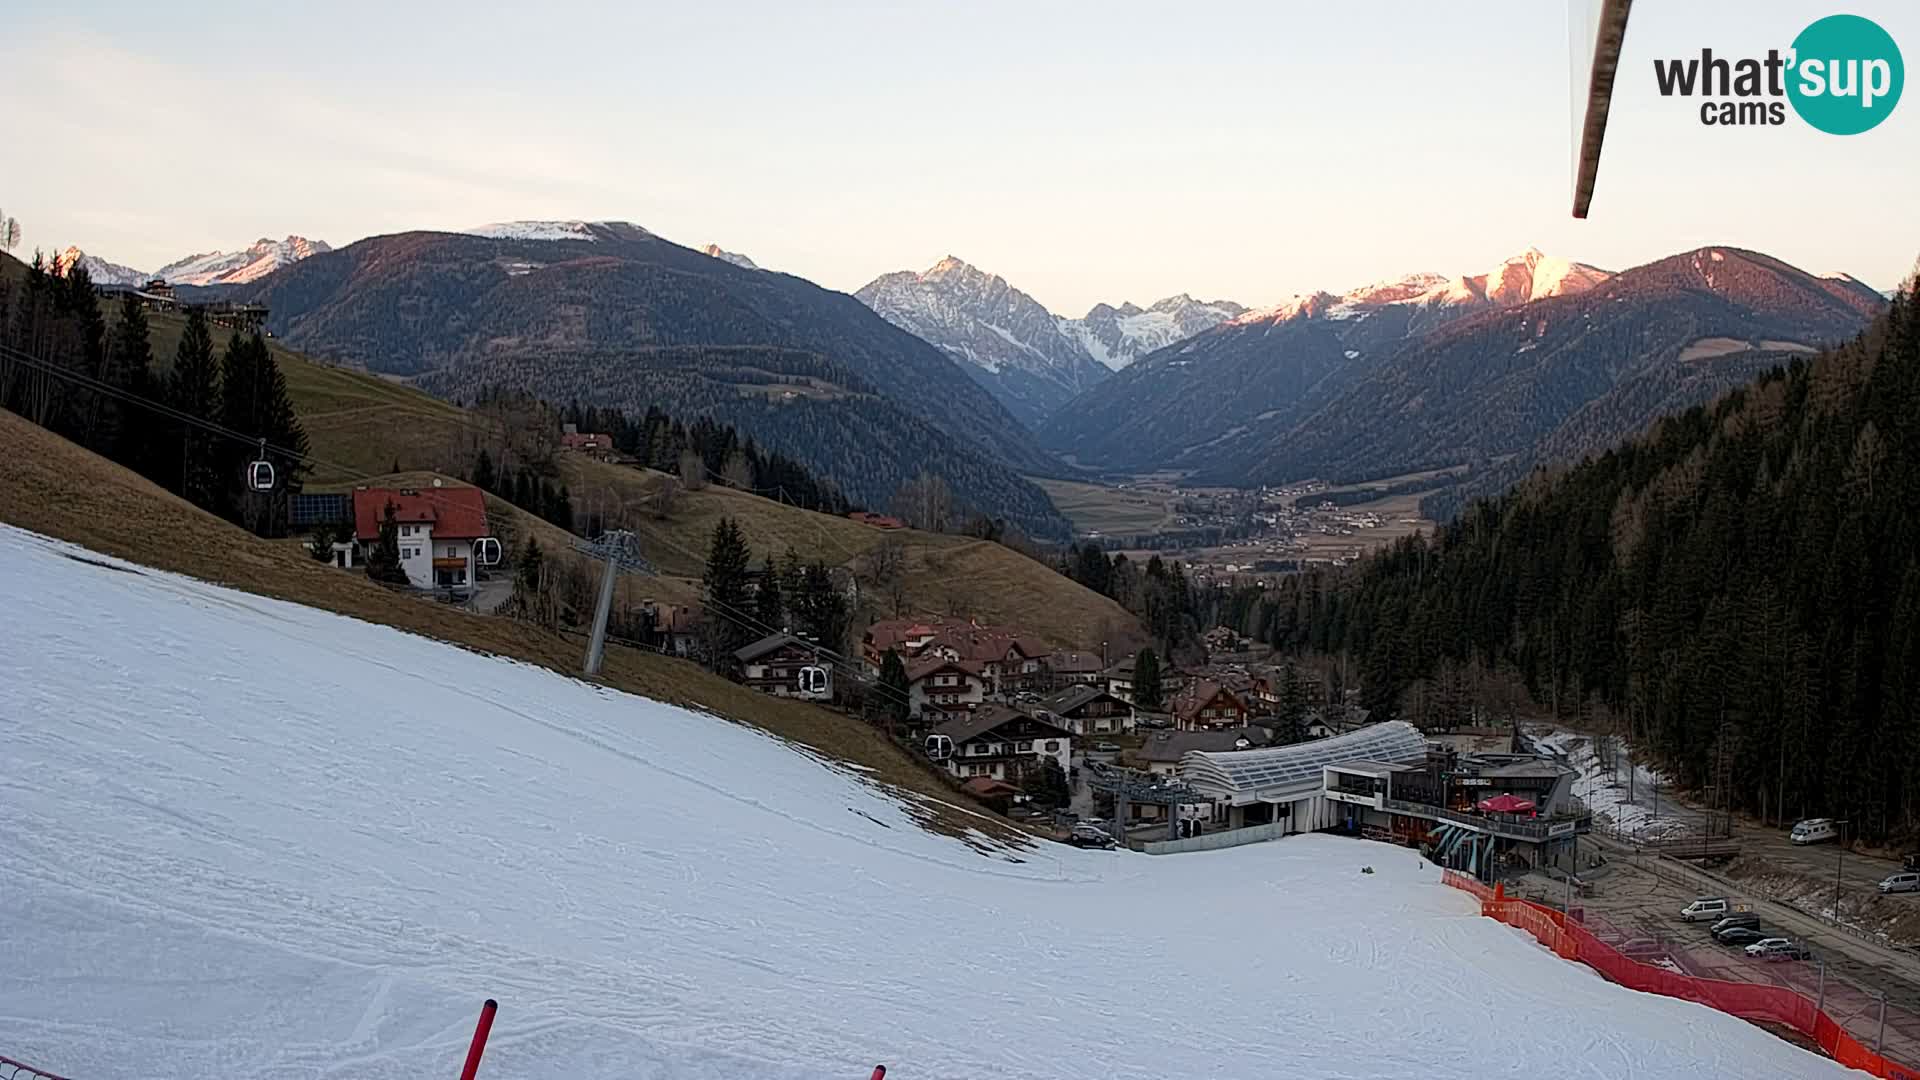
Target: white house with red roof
{"points": [[437, 529]]}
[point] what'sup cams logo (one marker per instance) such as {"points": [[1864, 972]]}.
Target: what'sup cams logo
{"points": [[1842, 75]]}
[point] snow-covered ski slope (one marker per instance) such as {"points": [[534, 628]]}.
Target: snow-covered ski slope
{"points": [[241, 838]]}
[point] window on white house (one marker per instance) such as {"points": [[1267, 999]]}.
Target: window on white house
{"points": [[1026, 746], [1053, 746]]}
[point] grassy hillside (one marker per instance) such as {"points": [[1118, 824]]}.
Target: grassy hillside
{"points": [[54, 487], [361, 426]]}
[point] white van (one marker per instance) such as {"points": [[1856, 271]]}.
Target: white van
{"points": [[1707, 907], [1902, 882], [1814, 830]]}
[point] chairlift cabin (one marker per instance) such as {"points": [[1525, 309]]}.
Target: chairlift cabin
{"points": [[939, 747], [815, 684], [486, 551], [260, 471]]}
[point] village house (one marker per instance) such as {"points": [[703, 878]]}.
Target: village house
{"points": [[1163, 750], [671, 628], [1006, 663], [1089, 710], [437, 528], [773, 664], [1119, 679], [938, 687], [579, 442], [1000, 742], [1075, 669], [1205, 705]]}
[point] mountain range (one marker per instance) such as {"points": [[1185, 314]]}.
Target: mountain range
{"points": [[239, 267], [1032, 360], [1539, 359], [608, 313]]}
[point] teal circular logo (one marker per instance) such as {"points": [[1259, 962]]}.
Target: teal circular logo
{"points": [[1846, 75]]}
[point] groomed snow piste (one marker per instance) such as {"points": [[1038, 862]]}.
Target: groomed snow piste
{"points": [[241, 838]]}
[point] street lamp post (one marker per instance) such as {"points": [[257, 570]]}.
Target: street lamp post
{"points": [[1840, 858]]}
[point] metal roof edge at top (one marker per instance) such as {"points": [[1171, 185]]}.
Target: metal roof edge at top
{"points": [[1254, 770]]}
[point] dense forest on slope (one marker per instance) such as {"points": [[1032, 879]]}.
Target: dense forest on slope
{"points": [[787, 402], [1740, 588]]}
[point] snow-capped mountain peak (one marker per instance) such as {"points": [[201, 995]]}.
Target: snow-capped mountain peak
{"points": [[733, 258], [1011, 344], [1530, 275], [251, 263], [1118, 336], [99, 270]]}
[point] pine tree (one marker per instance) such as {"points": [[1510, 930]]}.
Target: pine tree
{"points": [[768, 606], [254, 401], [383, 562], [820, 609], [483, 477], [1291, 718], [894, 688], [725, 581], [140, 435], [194, 389], [1147, 692]]}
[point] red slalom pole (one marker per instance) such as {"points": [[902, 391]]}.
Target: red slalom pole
{"points": [[879, 1073], [479, 1039]]}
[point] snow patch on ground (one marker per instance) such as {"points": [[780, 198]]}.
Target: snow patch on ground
{"points": [[1606, 791], [245, 838]]}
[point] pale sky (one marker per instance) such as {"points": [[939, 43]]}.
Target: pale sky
{"points": [[1086, 151]]}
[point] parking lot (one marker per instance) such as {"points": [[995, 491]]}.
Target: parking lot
{"points": [[1634, 904]]}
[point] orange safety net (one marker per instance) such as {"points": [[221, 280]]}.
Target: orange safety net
{"points": [[1749, 1001]]}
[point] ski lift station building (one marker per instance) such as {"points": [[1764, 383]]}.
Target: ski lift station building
{"points": [[1288, 783], [1387, 779]]}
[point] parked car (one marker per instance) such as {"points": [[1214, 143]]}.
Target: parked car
{"points": [[1087, 836], [1778, 948], [1814, 830], [1741, 936], [1107, 747], [1706, 907], [1904, 881], [1745, 919]]}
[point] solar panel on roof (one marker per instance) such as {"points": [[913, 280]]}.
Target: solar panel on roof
{"points": [[306, 511]]}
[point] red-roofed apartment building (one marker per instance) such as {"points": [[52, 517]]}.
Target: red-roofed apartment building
{"points": [[437, 529], [1005, 662]]}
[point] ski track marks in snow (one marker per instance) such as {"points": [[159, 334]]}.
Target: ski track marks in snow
{"points": [[243, 838]]}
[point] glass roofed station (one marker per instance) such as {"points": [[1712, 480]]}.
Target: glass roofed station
{"points": [[1288, 783], [1388, 782]]}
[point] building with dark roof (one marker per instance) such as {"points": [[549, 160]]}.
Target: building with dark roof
{"points": [[773, 665], [1000, 742], [1089, 710]]}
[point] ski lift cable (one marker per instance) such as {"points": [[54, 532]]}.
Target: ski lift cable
{"points": [[839, 661], [261, 445], [349, 473]]}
